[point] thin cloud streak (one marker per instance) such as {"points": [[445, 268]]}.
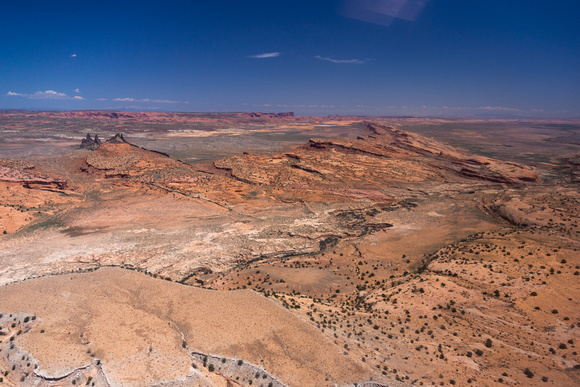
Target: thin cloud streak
{"points": [[48, 94], [265, 55], [347, 61], [146, 100]]}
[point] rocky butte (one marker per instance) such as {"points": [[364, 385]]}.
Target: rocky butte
{"points": [[90, 143], [368, 252]]}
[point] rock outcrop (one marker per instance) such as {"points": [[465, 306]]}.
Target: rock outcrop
{"points": [[364, 163], [90, 143], [117, 139], [29, 180]]}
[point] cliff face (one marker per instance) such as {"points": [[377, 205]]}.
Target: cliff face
{"points": [[30, 180]]}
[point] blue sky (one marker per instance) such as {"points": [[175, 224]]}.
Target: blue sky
{"points": [[375, 57]]}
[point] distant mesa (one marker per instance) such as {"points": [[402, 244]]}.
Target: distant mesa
{"points": [[124, 116], [270, 115]]}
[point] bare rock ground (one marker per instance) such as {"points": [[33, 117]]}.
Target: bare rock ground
{"points": [[382, 259]]}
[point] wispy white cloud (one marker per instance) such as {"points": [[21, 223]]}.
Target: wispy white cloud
{"points": [[265, 55], [146, 100], [48, 94], [78, 97], [499, 108], [347, 61], [165, 101], [484, 108], [73, 56], [77, 91], [137, 107], [100, 99]]}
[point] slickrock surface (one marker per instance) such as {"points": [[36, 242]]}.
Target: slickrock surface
{"points": [[142, 330]]}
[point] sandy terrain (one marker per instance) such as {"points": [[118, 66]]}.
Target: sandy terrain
{"points": [[144, 329]]}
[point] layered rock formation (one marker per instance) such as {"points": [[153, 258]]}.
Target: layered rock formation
{"points": [[385, 156]]}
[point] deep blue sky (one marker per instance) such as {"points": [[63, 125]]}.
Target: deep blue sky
{"points": [[451, 57]]}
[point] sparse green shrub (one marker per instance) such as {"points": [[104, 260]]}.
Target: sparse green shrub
{"points": [[211, 368], [528, 373]]}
